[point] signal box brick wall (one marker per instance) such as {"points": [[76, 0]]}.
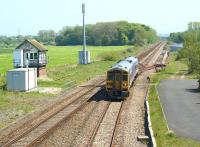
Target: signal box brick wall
{"points": [[41, 71]]}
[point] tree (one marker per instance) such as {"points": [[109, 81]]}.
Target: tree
{"points": [[108, 33], [177, 37], [47, 36], [191, 51], [123, 39]]}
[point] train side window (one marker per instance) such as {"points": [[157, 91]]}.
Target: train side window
{"points": [[125, 77]]}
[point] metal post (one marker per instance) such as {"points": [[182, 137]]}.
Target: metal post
{"points": [[84, 38]]}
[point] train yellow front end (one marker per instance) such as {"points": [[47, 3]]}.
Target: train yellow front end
{"points": [[117, 84], [120, 77]]}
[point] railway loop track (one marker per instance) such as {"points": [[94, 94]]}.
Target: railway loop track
{"points": [[108, 118], [53, 116]]}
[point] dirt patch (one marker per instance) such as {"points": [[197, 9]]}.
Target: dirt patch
{"points": [[52, 90], [45, 78]]}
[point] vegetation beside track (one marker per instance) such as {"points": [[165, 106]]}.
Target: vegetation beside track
{"points": [[165, 138]]}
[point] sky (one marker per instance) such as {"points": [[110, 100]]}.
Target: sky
{"points": [[27, 17]]}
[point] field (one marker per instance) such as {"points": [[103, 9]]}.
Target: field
{"points": [[6, 60], [64, 71], [63, 68], [69, 54], [58, 55], [165, 138]]}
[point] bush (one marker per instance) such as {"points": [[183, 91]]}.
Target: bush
{"points": [[129, 50], [2, 83], [109, 56], [170, 133]]}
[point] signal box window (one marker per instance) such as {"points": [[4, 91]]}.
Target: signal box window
{"points": [[31, 56], [35, 56]]}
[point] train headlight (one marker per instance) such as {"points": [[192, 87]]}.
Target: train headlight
{"points": [[109, 84], [125, 84]]}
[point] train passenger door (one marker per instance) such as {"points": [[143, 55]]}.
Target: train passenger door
{"points": [[118, 80]]}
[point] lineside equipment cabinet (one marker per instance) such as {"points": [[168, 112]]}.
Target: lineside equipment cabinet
{"points": [[21, 79]]}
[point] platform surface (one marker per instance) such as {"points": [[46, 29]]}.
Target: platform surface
{"points": [[181, 104]]}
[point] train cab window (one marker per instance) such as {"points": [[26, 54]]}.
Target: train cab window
{"points": [[118, 78], [125, 77], [110, 76]]}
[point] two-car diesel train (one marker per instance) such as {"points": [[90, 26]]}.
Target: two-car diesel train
{"points": [[120, 77]]}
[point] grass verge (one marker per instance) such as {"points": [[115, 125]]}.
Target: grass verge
{"points": [[165, 138]]}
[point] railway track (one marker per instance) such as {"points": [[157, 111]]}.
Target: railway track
{"points": [[49, 120], [111, 139], [148, 60], [94, 133]]}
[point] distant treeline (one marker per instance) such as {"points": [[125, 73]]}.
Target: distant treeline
{"points": [[178, 37], [107, 33]]}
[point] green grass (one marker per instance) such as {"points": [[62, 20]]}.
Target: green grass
{"points": [[62, 55], [6, 50], [6, 59], [4, 102], [163, 137], [24, 107], [6, 62], [17, 104]]}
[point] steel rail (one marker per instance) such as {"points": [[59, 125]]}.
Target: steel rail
{"points": [[98, 125], [12, 141], [155, 52]]}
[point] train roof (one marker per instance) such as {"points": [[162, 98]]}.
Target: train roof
{"points": [[125, 64]]}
